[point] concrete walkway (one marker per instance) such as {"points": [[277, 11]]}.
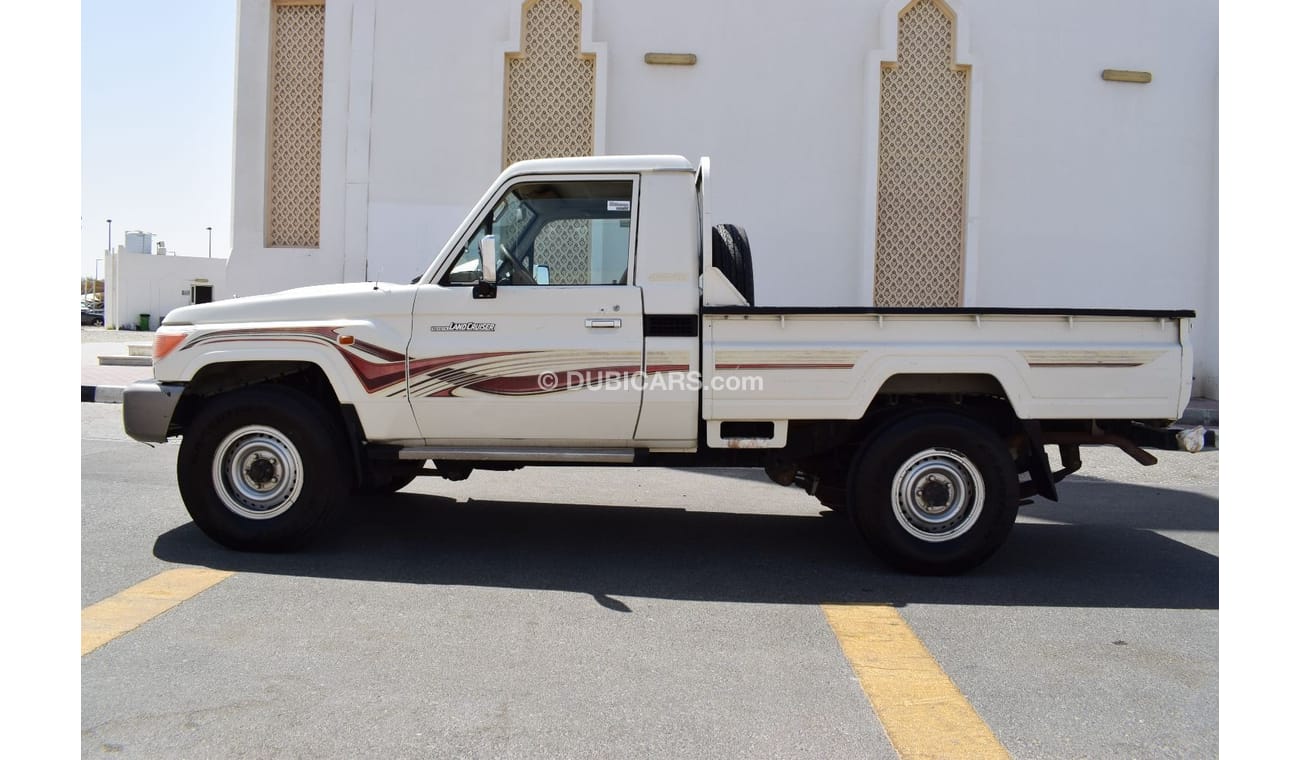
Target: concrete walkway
{"points": [[97, 342]]}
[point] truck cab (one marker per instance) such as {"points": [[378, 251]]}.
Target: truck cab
{"points": [[596, 282]]}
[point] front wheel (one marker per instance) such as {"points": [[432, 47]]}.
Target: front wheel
{"points": [[263, 469], [935, 494]]}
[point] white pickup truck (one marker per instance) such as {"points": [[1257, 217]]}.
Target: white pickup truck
{"points": [[589, 311]]}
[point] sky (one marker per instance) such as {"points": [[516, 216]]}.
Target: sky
{"points": [[157, 121]]}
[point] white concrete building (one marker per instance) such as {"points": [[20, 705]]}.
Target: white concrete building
{"points": [[138, 283], [879, 152]]}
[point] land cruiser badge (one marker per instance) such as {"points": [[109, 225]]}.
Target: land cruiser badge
{"points": [[465, 327]]}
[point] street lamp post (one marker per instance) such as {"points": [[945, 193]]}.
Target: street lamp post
{"points": [[108, 253], [109, 250], [209, 242]]}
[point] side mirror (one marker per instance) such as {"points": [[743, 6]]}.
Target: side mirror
{"points": [[487, 254]]}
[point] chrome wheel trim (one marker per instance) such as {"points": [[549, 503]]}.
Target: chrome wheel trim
{"points": [[257, 472], [937, 495]]}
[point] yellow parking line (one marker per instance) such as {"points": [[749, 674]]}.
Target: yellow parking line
{"points": [[104, 621], [921, 709]]}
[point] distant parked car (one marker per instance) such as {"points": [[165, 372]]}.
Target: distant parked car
{"points": [[92, 316]]}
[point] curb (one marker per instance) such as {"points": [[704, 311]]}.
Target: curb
{"points": [[102, 394], [117, 360]]}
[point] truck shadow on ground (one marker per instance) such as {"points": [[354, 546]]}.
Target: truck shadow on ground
{"points": [[1096, 557], [1090, 500]]}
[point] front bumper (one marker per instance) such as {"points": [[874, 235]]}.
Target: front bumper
{"points": [[147, 408]]}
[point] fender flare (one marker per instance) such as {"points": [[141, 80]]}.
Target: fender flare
{"points": [[343, 379], [999, 368]]}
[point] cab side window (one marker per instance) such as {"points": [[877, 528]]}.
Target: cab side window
{"points": [[556, 233]]}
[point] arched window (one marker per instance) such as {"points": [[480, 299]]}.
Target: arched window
{"points": [[294, 133], [921, 182], [550, 86]]}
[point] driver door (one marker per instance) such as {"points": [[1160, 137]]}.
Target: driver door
{"points": [[554, 358]]}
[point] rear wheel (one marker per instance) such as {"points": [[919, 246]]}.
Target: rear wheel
{"points": [[934, 494], [831, 498], [263, 469]]}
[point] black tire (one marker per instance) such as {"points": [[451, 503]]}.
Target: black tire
{"points": [[833, 502], [294, 477], [957, 495], [389, 477], [731, 256], [830, 492]]}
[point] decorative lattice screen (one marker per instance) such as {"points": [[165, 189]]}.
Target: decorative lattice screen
{"points": [[921, 195], [294, 152], [550, 103], [565, 247]]}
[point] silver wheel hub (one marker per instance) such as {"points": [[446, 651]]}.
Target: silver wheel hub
{"points": [[937, 495], [257, 472]]}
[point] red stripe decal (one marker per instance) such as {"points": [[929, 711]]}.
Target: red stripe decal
{"points": [[543, 383], [783, 366]]}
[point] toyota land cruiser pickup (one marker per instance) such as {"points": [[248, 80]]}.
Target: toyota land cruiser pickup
{"points": [[589, 311]]}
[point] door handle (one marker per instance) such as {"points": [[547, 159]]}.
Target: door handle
{"points": [[604, 323]]}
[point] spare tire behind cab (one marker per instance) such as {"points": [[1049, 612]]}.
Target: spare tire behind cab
{"points": [[731, 257]]}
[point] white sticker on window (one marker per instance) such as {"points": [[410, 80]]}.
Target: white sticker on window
{"points": [[618, 205]]}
